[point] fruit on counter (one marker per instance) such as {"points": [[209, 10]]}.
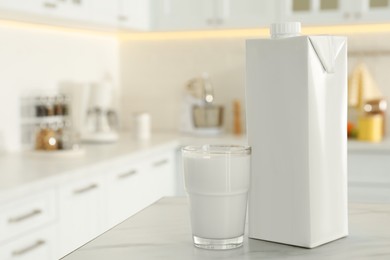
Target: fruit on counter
{"points": [[351, 130]]}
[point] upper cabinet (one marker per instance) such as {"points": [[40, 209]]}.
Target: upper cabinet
{"points": [[211, 14], [134, 14], [99, 13], [325, 12], [181, 15]]}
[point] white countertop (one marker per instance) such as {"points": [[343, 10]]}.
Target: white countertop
{"points": [[163, 231], [24, 172]]}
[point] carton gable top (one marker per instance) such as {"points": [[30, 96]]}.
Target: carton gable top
{"points": [[327, 49]]}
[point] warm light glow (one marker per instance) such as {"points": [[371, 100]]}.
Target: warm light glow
{"points": [[206, 34], [255, 33], [9, 24], [182, 35]]}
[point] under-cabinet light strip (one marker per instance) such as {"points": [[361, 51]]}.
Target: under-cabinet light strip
{"points": [[206, 34]]}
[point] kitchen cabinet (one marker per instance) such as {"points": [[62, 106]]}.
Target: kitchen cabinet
{"points": [[209, 14], [126, 192], [161, 175], [319, 11], [27, 227], [101, 13], [82, 211], [41, 244], [71, 202], [368, 177], [376, 10], [245, 14], [324, 12], [133, 187], [134, 14], [182, 14], [26, 214]]}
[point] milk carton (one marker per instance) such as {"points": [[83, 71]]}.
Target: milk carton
{"points": [[296, 120]]}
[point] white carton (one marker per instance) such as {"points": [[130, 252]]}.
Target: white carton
{"points": [[296, 97]]}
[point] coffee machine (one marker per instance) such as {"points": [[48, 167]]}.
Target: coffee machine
{"points": [[200, 116], [101, 121]]}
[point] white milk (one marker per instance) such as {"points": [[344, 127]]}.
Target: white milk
{"points": [[218, 188]]}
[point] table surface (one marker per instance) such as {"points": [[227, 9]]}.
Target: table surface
{"points": [[162, 231]]}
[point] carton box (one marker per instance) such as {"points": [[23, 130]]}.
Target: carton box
{"points": [[296, 97]]}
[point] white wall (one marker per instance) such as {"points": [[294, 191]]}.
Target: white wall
{"points": [[155, 72], [38, 58]]}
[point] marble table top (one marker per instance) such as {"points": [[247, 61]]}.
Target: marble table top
{"points": [[162, 231]]}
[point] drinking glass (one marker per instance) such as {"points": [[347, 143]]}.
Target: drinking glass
{"points": [[217, 182]]}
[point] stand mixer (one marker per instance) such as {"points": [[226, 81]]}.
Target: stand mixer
{"points": [[199, 115]]}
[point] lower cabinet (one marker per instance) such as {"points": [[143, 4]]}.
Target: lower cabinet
{"points": [[125, 195], [161, 175], [38, 245], [136, 186], [52, 223], [368, 177], [82, 210], [92, 205]]}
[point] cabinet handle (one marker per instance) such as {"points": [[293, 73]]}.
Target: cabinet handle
{"points": [[358, 15], [160, 163], [126, 174], [218, 21], [86, 189], [122, 18], [29, 248], [210, 21], [21, 218], [49, 5]]}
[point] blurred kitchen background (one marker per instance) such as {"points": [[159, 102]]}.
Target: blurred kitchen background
{"points": [[150, 50], [76, 73]]}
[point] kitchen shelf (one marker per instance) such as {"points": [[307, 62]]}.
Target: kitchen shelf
{"points": [[46, 119]]}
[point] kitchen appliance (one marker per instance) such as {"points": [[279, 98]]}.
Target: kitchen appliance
{"points": [[200, 115], [101, 123], [298, 192]]}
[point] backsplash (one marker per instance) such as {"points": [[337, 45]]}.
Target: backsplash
{"points": [[34, 60], [154, 75], [155, 72]]}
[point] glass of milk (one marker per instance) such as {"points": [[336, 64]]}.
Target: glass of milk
{"points": [[217, 183]]}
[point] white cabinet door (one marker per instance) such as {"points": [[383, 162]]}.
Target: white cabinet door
{"points": [[313, 12], [127, 188], [245, 13], [102, 12], [26, 214], [184, 14], [39, 245], [368, 177], [323, 12], [62, 12], [209, 14], [134, 14], [82, 212], [375, 11], [162, 174], [33, 6]]}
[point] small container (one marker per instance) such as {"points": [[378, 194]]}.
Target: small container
{"points": [[58, 106], [142, 126], [377, 107], [370, 128]]}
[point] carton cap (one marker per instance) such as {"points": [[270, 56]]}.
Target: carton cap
{"points": [[283, 30]]}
